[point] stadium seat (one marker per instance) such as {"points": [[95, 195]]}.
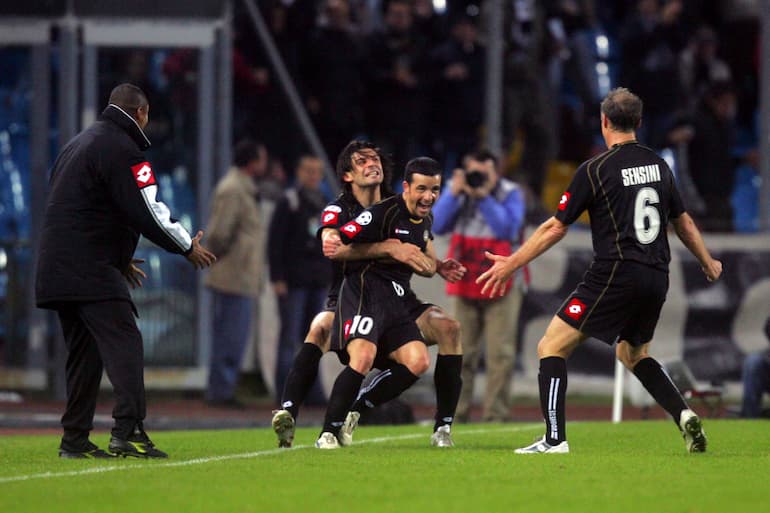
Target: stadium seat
{"points": [[709, 396]]}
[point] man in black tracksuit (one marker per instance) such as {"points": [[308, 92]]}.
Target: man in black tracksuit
{"points": [[102, 197]]}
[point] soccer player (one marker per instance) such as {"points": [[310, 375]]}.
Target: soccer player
{"points": [[364, 177], [631, 196], [376, 310]]}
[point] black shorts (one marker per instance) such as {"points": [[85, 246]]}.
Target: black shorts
{"points": [[371, 308], [617, 300]]}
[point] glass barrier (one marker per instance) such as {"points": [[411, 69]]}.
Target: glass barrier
{"points": [[15, 254]]}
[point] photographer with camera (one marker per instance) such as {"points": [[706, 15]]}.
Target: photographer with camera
{"points": [[483, 210]]}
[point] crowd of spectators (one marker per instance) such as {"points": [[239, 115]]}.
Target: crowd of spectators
{"points": [[412, 78]]}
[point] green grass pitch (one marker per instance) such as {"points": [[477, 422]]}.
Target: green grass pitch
{"points": [[627, 467]]}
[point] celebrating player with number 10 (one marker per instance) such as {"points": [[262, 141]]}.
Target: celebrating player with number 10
{"points": [[630, 195]]}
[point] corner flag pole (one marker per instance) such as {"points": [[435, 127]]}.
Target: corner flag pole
{"points": [[617, 396]]}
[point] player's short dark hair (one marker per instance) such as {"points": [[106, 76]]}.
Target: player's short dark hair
{"points": [[245, 151], [482, 155], [128, 97], [623, 108], [345, 164], [421, 166]]}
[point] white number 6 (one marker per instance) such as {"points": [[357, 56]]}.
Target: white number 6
{"points": [[646, 216]]}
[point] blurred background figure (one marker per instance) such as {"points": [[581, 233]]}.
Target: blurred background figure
{"points": [[299, 272], [397, 83], [651, 41], [334, 76], [457, 111], [483, 212], [528, 113], [710, 159], [756, 380], [236, 235], [700, 65]]}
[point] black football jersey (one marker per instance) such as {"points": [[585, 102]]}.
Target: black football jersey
{"points": [[388, 219], [337, 213], [630, 194]]}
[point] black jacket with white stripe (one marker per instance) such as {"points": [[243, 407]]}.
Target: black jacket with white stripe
{"points": [[103, 195]]}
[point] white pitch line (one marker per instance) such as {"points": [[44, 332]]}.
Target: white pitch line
{"points": [[241, 456]]}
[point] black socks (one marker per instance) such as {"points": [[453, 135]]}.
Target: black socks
{"points": [[385, 386], [343, 394], [553, 388], [660, 387], [448, 383], [301, 378]]}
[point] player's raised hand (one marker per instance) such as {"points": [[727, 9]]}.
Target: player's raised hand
{"points": [[199, 256], [497, 276], [451, 270]]}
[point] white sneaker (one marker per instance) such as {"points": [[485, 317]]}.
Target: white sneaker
{"points": [[327, 441], [283, 425], [692, 431], [346, 431], [442, 437], [543, 447]]}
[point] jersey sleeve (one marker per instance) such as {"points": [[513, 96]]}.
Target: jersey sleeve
{"points": [[135, 191], [576, 198], [367, 227], [334, 215]]}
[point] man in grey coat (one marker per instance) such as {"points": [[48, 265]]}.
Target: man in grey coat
{"points": [[236, 234]]}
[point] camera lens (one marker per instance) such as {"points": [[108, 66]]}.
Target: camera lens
{"points": [[475, 178]]}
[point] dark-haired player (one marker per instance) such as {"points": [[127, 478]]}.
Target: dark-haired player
{"points": [[364, 175], [631, 196], [376, 310]]}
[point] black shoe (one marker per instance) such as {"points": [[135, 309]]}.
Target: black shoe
{"points": [[87, 451], [138, 445]]}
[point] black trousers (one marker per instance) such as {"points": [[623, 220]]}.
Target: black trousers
{"points": [[102, 335]]}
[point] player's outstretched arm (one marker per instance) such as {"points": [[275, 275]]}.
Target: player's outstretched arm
{"points": [[503, 267], [691, 237], [199, 256]]}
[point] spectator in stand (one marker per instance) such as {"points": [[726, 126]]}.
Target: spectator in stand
{"points": [[458, 93], [710, 161], [482, 211], [261, 108], [299, 272], [397, 83], [429, 23], [652, 39], [700, 66], [527, 107], [333, 75], [745, 197]]}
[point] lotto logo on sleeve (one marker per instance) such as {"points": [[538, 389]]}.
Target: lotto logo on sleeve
{"points": [[564, 200], [575, 309], [329, 218], [351, 229], [143, 174]]}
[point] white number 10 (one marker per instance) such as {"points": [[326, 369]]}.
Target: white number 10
{"points": [[646, 215]]}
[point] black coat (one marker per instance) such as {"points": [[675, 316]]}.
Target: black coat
{"points": [[294, 251], [102, 197]]}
